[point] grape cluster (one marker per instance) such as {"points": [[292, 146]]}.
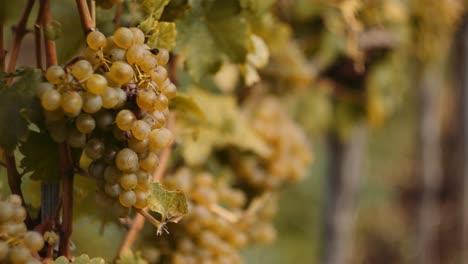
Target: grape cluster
{"points": [[17, 244], [113, 104], [207, 235], [290, 155]]}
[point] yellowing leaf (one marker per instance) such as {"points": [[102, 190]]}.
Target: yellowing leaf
{"points": [[163, 36], [186, 105], [171, 205], [154, 7]]}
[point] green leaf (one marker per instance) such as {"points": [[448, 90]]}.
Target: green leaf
{"points": [[154, 7], [225, 125], [185, 105], [128, 257], [41, 157], [211, 32], [171, 205], [18, 108], [163, 36]]}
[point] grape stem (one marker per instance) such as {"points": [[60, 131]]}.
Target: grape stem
{"points": [[85, 16], [139, 220], [118, 15], [19, 32]]}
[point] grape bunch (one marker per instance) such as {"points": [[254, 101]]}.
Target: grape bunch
{"points": [[207, 235], [17, 244], [291, 154], [113, 105]]}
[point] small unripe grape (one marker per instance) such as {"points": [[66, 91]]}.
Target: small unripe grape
{"points": [[96, 84], [121, 72], [110, 43], [127, 160], [127, 198], [72, 102], [85, 123], [96, 40], [121, 98], [94, 149], [128, 181], [109, 98], [159, 119], [91, 103], [162, 57], [139, 146], [55, 74], [112, 174], [15, 199], [125, 119], [141, 130], [123, 37], [138, 36], [96, 169], [34, 240], [110, 153], [76, 139], [158, 75], [82, 70], [144, 179], [160, 138], [146, 99], [91, 55], [170, 91], [150, 162], [51, 100]]}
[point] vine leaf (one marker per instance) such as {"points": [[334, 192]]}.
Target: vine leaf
{"points": [[128, 257], [160, 34], [225, 125], [171, 205], [154, 7], [18, 108], [203, 36], [185, 105], [41, 157]]}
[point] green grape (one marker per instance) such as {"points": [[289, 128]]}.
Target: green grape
{"points": [[128, 181], [6, 211], [19, 255], [208, 239], [170, 90], [109, 154], [121, 72], [116, 54], [96, 84], [104, 120], [96, 169], [112, 174], [161, 102], [141, 198], [139, 146], [140, 130], [94, 149], [109, 98], [160, 138], [144, 179], [136, 53], [51, 100], [76, 139], [127, 160], [138, 36], [53, 116], [127, 198], [110, 81], [148, 63], [92, 56], [150, 162], [91, 103], [158, 75], [121, 98], [123, 37], [72, 103], [55, 74], [85, 123], [42, 88], [146, 99], [82, 70], [96, 40], [34, 241], [113, 190], [125, 119], [162, 57], [4, 249]]}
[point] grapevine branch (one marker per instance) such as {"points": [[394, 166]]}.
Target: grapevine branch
{"points": [[19, 32], [2, 48], [85, 16]]}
